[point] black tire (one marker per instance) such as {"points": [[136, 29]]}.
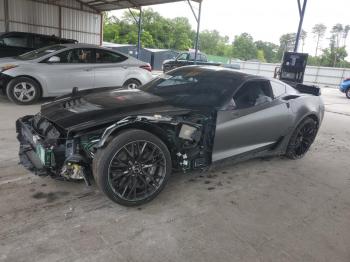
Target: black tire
{"points": [[132, 177], [31, 91], [132, 84], [302, 138], [347, 93]]}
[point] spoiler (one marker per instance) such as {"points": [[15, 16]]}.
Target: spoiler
{"points": [[308, 89]]}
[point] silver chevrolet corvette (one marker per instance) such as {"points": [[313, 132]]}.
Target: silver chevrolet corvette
{"points": [[130, 140]]}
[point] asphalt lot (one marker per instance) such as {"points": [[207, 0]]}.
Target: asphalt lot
{"points": [[259, 210]]}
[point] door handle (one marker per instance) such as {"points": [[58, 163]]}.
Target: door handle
{"points": [[125, 67], [87, 69]]}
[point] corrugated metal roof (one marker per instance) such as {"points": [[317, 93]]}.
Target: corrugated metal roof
{"points": [[107, 5]]}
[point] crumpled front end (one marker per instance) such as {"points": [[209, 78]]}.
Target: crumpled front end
{"points": [[46, 150], [40, 147]]}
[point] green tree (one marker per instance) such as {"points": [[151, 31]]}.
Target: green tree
{"points": [[287, 43], [181, 34], [157, 31], [244, 47], [260, 55], [211, 42], [345, 33], [319, 31], [270, 50], [327, 58], [303, 36]]}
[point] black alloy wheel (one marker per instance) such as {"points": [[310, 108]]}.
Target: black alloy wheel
{"points": [[133, 168], [348, 93], [302, 139]]}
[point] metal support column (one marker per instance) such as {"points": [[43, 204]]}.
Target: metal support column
{"points": [[301, 19], [60, 21], [101, 28], [198, 19], [6, 12], [197, 37], [139, 34]]}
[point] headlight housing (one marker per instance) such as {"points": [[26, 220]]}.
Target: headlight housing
{"points": [[7, 67]]}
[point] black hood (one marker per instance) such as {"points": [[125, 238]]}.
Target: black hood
{"points": [[95, 107]]}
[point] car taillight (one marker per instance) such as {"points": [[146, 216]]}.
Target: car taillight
{"points": [[147, 67]]}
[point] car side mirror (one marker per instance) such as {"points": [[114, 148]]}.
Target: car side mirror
{"points": [[54, 59]]}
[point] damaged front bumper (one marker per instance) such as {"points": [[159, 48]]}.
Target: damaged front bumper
{"points": [[45, 156], [33, 153]]}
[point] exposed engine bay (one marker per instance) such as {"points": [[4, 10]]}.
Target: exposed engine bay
{"points": [[69, 155]]}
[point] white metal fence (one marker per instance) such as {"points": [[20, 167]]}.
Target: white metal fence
{"points": [[322, 76]]}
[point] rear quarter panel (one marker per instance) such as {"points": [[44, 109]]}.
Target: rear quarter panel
{"points": [[307, 105], [29, 70]]}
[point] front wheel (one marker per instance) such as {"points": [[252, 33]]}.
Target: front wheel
{"points": [[302, 138], [134, 167], [348, 93], [23, 91]]}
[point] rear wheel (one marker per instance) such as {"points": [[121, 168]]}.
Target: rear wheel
{"points": [[132, 84], [348, 93], [134, 167], [302, 138], [23, 90]]}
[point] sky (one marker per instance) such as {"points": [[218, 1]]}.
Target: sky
{"points": [[265, 20]]}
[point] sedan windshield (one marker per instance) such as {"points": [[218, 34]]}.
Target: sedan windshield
{"points": [[193, 87], [40, 52]]}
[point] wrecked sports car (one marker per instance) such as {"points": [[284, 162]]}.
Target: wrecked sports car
{"points": [[130, 140]]}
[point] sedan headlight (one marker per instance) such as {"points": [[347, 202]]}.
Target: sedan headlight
{"points": [[7, 67]]}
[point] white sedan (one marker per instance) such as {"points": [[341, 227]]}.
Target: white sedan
{"points": [[56, 70]]}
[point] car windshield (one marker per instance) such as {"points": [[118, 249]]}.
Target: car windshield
{"points": [[40, 52], [195, 87]]}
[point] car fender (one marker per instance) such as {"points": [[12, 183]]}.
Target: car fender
{"points": [[140, 74], [28, 72], [140, 122], [306, 106]]}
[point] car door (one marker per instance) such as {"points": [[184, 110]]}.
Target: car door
{"points": [[254, 120], [74, 69], [183, 60], [110, 68]]}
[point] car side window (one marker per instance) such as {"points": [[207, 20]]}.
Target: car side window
{"points": [[15, 40], [76, 56], [103, 56], [191, 56], [278, 88], [252, 93], [183, 56]]}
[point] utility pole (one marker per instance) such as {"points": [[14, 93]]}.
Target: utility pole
{"points": [[301, 19]]}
